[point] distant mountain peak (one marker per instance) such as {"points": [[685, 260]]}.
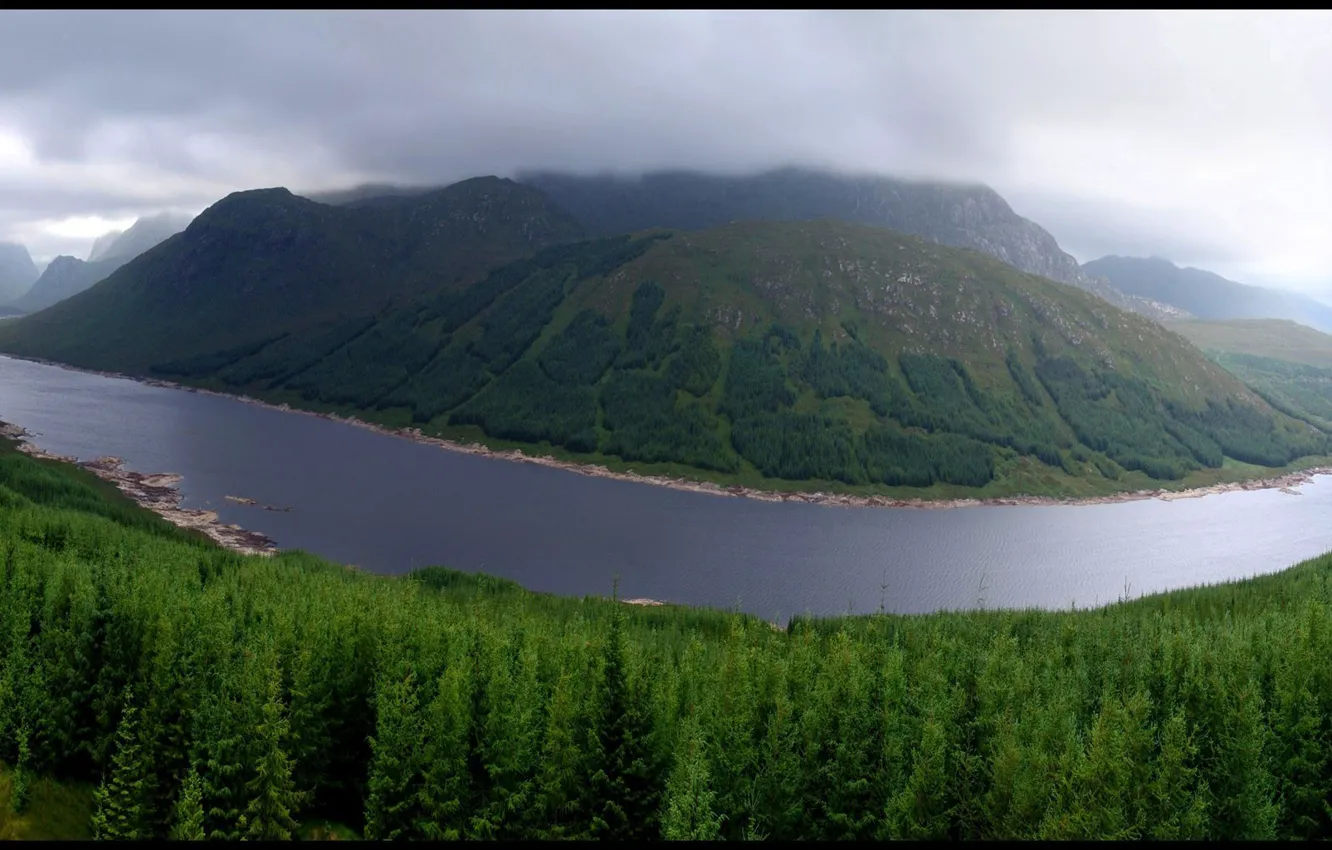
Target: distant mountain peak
{"points": [[102, 244], [1206, 294], [17, 271]]}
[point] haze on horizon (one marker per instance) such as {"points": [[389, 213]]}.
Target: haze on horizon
{"points": [[1203, 137]]}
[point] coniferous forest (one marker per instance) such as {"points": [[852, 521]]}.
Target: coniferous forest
{"points": [[204, 694]]}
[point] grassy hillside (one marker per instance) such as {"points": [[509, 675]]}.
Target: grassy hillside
{"points": [[820, 353], [1278, 339], [1286, 363], [1207, 295], [203, 693], [259, 264]]}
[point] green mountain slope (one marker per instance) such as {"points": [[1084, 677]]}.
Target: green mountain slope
{"points": [[1288, 364], [1206, 295], [1279, 339], [262, 263], [769, 352]]}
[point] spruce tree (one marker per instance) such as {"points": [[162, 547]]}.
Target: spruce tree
{"points": [[121, 798], [392, 809], [1176, 798], [560, 781], [689, 810], [625, 782], [446, 787], [924, 808], [188, 821], [273, 798]]}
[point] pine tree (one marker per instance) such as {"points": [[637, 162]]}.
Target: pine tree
{"points": [[1246, 805], [120, 799], [222, 726], [1176, 797], [188, 822], [690, 815], [446, 791], [511, 743], [924, 808], [311, 742], [559, 783], [392, 809], [273, 798], [625, 783]]}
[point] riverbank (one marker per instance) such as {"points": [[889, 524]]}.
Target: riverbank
{"points": [[158, 492], [1285, 482]]}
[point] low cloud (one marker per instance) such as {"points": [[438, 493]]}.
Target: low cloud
{"points": [[1200, 136]]}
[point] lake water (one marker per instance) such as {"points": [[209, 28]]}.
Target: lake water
{"points": [[388, 505]]}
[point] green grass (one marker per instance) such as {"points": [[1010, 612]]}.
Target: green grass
{"points": [[56, 811]]}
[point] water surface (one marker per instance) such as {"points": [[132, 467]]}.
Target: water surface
{"points": [[388, 505]]}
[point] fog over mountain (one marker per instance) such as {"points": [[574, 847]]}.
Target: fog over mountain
{"points": [[1088, 123]]}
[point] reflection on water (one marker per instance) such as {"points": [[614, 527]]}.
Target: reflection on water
{"points": [[388, 505]]}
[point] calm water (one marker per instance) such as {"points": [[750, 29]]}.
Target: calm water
{"points": [[387, 505]]}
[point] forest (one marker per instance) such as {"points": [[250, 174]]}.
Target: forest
{"points": [[203, 694]]}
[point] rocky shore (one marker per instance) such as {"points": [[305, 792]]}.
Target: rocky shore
{"points": [[1285, 482], [159, 493]]}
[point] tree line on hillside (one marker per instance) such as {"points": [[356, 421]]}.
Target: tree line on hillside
{"points": [[210, 695], [661, 386]]}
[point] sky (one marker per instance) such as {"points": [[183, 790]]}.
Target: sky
{"points": [[1203, 137]]}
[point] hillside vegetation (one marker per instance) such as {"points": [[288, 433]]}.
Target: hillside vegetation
{"points": [[207, 694], [1288, 364], [262, 263], [1278, 339], [817, 352]]}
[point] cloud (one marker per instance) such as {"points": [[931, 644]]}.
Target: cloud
{"points": [[1201, 136]]}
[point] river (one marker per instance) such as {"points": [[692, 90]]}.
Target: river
{"points": [[387, 505]]}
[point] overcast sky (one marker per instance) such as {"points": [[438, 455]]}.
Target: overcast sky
{"points": [[1203, 137]]}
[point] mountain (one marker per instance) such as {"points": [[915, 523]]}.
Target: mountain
{"points": [[821, 352], [260, 263], [102, 244], [963, 216], [64, 276], [1207, 295], [68, 276], [17, 271], [144, 234]]}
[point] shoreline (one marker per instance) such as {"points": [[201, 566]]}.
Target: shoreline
{"points": [[158, 492], [1284, 482]]}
